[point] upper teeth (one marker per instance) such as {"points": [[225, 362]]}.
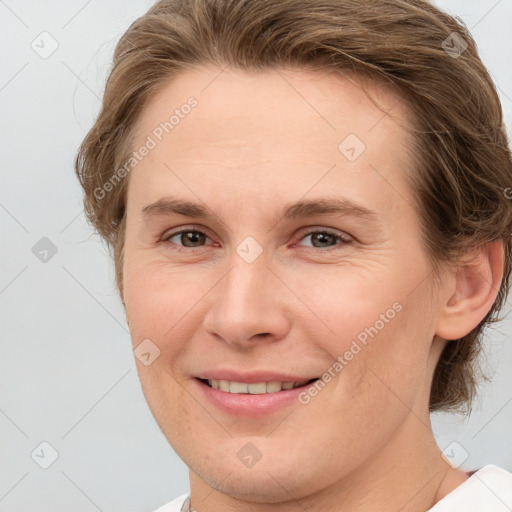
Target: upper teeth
{"points": [[256, 388]]}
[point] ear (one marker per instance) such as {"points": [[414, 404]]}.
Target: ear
{"points": [[476, 283]]}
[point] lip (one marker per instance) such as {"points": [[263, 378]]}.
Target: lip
{"points": [[252, 377], [247, 405]]}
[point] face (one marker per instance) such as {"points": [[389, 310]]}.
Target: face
{"points": [[271, 239]]}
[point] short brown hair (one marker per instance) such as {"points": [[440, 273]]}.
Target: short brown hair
{"points": [[460, 146]]}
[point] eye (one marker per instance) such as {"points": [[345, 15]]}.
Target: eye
{"points": [[318, 239], [325, 239], [186, 238]]}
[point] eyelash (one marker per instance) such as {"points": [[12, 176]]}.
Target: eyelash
{"points": [[344, 239]]}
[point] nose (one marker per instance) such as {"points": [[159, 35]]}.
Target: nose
{"points": [[248, 305]]}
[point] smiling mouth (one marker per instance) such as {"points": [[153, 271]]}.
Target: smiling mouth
{"points": [[254, 388]]}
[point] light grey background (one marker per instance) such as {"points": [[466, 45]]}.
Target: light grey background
{"points": [[67, 374]]}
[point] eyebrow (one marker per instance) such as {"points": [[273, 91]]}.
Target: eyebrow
{"points": [[300, 209]]}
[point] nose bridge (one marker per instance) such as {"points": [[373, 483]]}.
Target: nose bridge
{"points": [[244, 284], [245, 288], [246, 302]]}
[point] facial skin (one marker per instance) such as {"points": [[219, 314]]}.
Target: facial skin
{"points": [[255, 144]]}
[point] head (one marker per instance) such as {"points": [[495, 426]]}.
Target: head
{"points": [[348, 173]]}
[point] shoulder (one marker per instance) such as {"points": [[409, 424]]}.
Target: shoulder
{"points": [[174, 505], [489, 488]]}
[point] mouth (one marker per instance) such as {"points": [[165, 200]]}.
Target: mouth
{"points": [[264, 395], [254, 388]]}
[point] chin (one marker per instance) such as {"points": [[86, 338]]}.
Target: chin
{"points": [[254, 486], [276, 478]]}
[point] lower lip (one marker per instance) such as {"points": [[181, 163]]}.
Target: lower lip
{"points": [[251, 406]]}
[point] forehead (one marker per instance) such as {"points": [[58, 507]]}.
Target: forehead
{"points": [[282, 128], [330, 102]]}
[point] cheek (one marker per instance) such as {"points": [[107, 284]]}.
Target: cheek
{"points": [[160, 301], [394, 362], [381, 342]]}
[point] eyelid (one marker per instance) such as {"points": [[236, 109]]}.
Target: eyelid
{"points": [[323, 229]]}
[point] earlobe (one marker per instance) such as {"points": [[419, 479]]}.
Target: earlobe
{"points": [[476, 286]]}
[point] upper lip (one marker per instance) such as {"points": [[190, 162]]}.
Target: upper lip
{"points": [[252, 377]]}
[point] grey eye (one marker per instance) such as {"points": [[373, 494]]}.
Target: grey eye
{"points": [[323, 239], [189, 238]]}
